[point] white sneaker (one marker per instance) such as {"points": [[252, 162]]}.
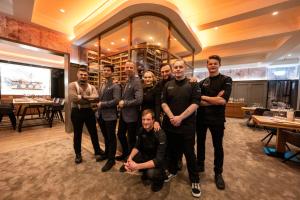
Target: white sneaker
{"points": [[170, 176], [196, 190]]}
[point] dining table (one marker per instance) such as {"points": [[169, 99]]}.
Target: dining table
{"points": [[280, 123], [24, 104]]}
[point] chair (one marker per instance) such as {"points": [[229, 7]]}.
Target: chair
{"points": [[294, 139], [8, 109], [56, 110], [257, 111], [297, 114], [270, 131]]}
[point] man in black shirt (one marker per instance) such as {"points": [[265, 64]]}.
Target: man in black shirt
{"points": [[148, 153], [215, 91], [180, 100]]}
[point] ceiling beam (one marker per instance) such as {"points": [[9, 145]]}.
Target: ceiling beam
{"points": [[285, 48], [250, 14]]}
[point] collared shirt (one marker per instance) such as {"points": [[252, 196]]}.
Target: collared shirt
{"points": [[179, 95], [211, 86], [152, 144]]}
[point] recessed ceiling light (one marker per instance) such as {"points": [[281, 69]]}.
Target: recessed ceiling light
{"points": [[29, 47], [95, 45], [123, 39], [275, 13], [148, 22], [112, 43], [62, 10], [175, 39], [150, 38], [158, 44], [216, 28], [289, 55], [108, 49]]}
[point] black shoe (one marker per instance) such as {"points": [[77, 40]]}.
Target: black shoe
{"points": [[145, 180], [196, 190], [122, 168], [200, 167], [78, 159], [121, 157], [108, 165], [219, 182], [100, 157], [157, 186]]}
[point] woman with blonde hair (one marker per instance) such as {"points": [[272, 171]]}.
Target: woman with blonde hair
{"points": [[151, 98]]}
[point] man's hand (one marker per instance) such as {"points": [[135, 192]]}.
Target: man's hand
{"points": [[193, 79], [156, 126], [99, 105], [121, 104], [176, 121], [221, 93], [131, 165]]}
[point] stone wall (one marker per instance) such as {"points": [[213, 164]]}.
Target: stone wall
{"points": [[33, 35]]}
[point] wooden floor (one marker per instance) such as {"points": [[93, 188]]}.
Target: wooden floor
{"points": [[12, 140]]}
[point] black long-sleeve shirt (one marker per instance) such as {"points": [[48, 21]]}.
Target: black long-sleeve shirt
{"points": [[211, 86], [151, 100], [152, 145], [179, 95]]}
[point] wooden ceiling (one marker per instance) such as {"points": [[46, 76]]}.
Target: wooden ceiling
{"points": [[239, 31]]}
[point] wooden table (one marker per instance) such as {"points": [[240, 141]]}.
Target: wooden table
{"points": [[27, 103], [279, 124]]}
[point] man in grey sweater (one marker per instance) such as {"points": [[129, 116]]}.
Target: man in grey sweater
{"points": [[81, 95]]}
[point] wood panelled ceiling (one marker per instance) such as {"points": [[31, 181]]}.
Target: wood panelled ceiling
{"points": [[237, 30]]}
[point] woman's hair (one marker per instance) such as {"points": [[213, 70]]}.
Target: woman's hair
{"points": [[153, 76]]}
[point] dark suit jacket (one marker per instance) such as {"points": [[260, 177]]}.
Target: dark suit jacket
{"points": [[109, 99], [133, 97]]}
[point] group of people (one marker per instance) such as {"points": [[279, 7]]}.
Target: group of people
{"points": [[157, 123]]}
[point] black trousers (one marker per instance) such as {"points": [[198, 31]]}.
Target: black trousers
{"points": [[11, 116], [131, 127], [179, 144], [217, 133], [108, 129], [86, 116], [156, 175]]}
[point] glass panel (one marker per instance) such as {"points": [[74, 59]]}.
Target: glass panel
{"points": [[150, 30], [89, 56], [114, 50]]}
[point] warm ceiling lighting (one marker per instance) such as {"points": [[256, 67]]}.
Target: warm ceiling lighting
{"points": [[17, 55], [108, 49], [29, 47], [175, 39], [95, 45], [150, 38], [275, 13], [71, 37], [62, 10], [216, 28], [148, 22], [159, 44], [123, 39], [112, 43]]}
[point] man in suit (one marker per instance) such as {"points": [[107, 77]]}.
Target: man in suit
{"points": [[131, 99], [109, 96]]}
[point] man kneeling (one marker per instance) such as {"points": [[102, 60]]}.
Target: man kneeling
{"points": [[148, 153]]}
